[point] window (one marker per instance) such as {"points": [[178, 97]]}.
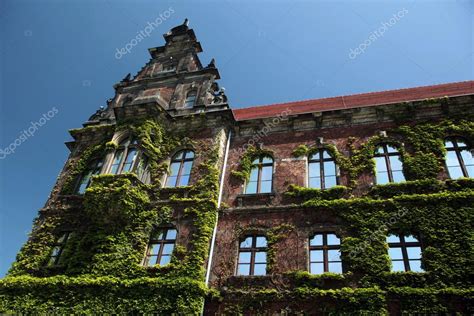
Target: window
{"points": [[168, 68], [180, 169], [261, 174], [325, 254], [252, 256], [405, 253], [388, 165], [459, 159], [58, 248], [160, 247], [142, 169], [322, 172], [85, 180], [190, 99], [125, 156]]}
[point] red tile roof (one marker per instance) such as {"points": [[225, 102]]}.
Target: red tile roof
{"points": [[356, 100]]}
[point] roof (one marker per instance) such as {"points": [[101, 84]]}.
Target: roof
{"points": [[356, 100]]}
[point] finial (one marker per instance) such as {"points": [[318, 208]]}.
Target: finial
{"points": [[186, 22], [212, 64]]}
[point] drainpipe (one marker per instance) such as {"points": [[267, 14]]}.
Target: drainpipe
{"points": [[219, 200]]}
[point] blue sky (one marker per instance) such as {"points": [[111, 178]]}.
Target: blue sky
{"points": [[60, 56]]}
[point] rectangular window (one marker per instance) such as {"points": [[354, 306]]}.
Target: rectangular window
{"points": [[252, 256], [58, 248], [161, 246], [405, 253], [325, 253]]}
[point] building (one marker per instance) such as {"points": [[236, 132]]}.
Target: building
{"points": [[172, 202]]}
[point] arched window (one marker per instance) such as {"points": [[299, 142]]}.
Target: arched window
{"points": [[325, 253], [160, 247], [125, 156], [252, 256], [388, 165], [261, 176], [180, 169], [322, 171], [190, 99], [404, 252], [93, 169], [459, 159]]}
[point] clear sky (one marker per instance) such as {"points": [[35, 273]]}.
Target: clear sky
{"points": [[60, 56]]}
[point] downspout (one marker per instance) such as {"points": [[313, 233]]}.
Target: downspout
{"points": [[219, 200]]}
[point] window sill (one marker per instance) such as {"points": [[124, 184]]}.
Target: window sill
{"points": [[255, 199]]}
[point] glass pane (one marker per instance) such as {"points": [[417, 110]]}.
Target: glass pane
{"points": [[261, 242], [267, 160], [382, 178], [184, 180], [164, 260], [333, 239], [150, 260], [261, 257], [189, 154], [247, 243], [254, 174], [168, 249], [52, 261], [316, 268], [243, 269], [329, 168], [244, 257], [395, 253], [187, 168], [398, 176], [334, 255], [63, 238], [395, 163], [317, 240], [56, 251], [171, 234], [157, 235], [256, 161], [461, 142], [448, 144], [335, 267], [174, 168], [398, 266], [379, 150], [315, 183], [178, 156], [467, 157], [415, 265], [260, 269], [326, 154], [380, 164], [154, 249], [251, 188], [330, 182], [116, 163], [171, 182], [452, 159], [131, 155], [391, 149], [414, 252], [393, 238], [314, 156], [455, 172], [266, 187], [314, 170], [267, 173], [470, 171], [316, 256], [84, 183], [410, 238]]}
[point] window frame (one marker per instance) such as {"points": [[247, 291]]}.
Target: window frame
{"points": [[192, 93], [126, 145], [457, 150], [321, 161], [253, 249], [94, 168], [386, 155], [60, 244], [403, 245], [162, 242], [260, 165], [325, 247], [181, 161]]}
